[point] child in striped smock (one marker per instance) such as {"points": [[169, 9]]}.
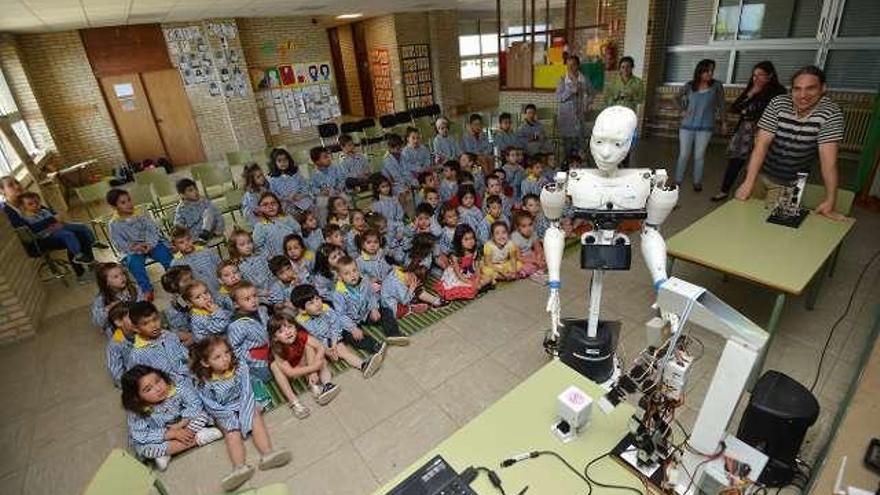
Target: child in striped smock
{"points": [[449, 184], [197, 214], [371, 261], [302, 260], [416, 157], [468, 212], [273, 226], [495, 186], [449, 218], [355, 165], [165, 416], [285, 280], [247, 331], [446, 147], [339, 213], [336, 331], [333, 235], [397, 173], [358, 228], [224, 386], [384, 202], [207, 317], [494, 213], [311, 232], [202, 261], [393, 237], [154, 346], [120, 343], [530, 250], [287, 183], [115, 285], [324, 272], [255, 184], [355, 297], [252, 265], [297, 354], [177, 313], [327, 180], [534, 180], [229, 277]]}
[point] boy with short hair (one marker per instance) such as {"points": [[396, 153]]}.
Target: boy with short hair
{"points": [[355, 165], [326, 180], [136, 237], [396, 171], [76, 238], [504, 136], [229, 276], [336, 331], [531, 133], [247, 332], [355, 297], [468, 162], [197, 214], [532, 204], [513, 167], [475, 139], [154, 346], [177, 314], [121, 341], [533, 181], [449, 184], [494, 213], [202, 261], [427, 180], [285, 281], [495, 186], [416, 157]]}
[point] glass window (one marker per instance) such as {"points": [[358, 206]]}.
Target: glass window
{"points": [[680, 65], [763, 19], [490, 66], [470, 69], [9, 160], [860, 18], [726, 20], [489, 43], [840, 74], [785, 61], [469, 45], [690, 22], [478, 49]]}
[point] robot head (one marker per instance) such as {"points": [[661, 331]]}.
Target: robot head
{"points": [[612, 137]]}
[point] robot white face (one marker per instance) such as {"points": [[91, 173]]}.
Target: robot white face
{"points": [[612, 136]]}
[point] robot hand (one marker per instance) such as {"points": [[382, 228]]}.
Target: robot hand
{"points": [[555, 311]]}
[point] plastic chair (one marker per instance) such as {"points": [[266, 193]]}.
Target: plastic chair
{"points": [[88, 196], [141, 195], [216, 181], [371, 133], [164, 191], [238, 157], [327, 132], [58, 269]]}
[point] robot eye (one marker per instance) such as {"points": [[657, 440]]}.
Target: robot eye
{"points": [[617, 144]]}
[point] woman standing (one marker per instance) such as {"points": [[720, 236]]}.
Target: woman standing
{"points": [[574, 93], [702, 101], [763, 87]]}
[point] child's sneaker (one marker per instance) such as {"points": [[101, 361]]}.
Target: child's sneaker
{"points": [[398, 340], [299, 410], [162, 462], [418, 308], [208, 435], [372, 365], [327, 393], [82, 259], [439, 303], [237, 477], [274, 459]]}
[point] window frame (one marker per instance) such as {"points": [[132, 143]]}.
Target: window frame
{"points": [[825, 40], [480, 57], [11, 163]]}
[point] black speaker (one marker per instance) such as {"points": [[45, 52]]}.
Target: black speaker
{"points": [[779, 413]]}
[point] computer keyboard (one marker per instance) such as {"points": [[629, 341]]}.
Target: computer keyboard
{"points": [[435, 477]]}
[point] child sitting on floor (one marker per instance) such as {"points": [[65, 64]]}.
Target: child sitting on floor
{"points": [[494, 213], [463, 278], [500, 256], [202, 261], [333, 235], [285, 280], [207, 317], [358, 227], [154, 346], [312, 235], [177, 314], [295, 354], [115, 285], [339, 213], [449, 217], [355, 297], [136, 237], [495, 186], [252, 265], [530, 250], [402, 290], [534, 179], [197, 214], [229, 277], [384, 202], [324, 273], [513, 169], [247, 331], [120, 343], [427, 181], [274, 225], [371, 261], [355, 165], [224, 386], [255, 184], [287, 183], [468, 212], [302, 260], [446, 147], [449, 184], [165, 416], [326, 181], [336, 331], [504, 137]]}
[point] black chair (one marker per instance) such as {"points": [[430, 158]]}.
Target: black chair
{"points": [[328, 131], [387, 122], [433, 110], [351, 127], [371, 135], [57, 269], [403, 118], [417, 113]]}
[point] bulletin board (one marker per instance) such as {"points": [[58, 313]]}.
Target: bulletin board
{"points": [[383, 92], [211, 60], [294, 97], [418, 85]]}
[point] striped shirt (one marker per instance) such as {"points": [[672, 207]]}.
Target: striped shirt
{"points": [[204, 263], [327, 181], [255, 269], [205, 324], [328, 326], [286, 186], [198, 216], [355, 165], [357, 301], [389, 207], [146, 432], [247, 332], [269, 234], [138, 228], [229, 399], [416, 160], [446, 148], [165, 353], [99, 309], [796, 140], [396, 171], [118, 350]]}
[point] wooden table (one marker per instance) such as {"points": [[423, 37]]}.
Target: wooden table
{"points": [[520, 422], [736, 239]]}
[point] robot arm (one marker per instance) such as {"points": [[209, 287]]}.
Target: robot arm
{"points": [[660, 203], [553, 202]]}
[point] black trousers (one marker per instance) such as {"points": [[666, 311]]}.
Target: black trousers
{"points": [[734, 166], [388, 321], [85, 243], [367, 343]]}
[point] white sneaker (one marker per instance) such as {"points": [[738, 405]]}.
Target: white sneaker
{"points": [[274, 459], [208, 435], [237, 477], [162, 462], [372, 366]]}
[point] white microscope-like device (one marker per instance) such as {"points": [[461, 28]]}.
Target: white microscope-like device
{"points": [[606, 196]]}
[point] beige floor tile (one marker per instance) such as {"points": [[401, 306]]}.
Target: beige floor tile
{"points": [[63, 426], [469, 392], [13, 482], [70, 471], [404, 437], [308, 439], [342, 472], [362, 404], [436, 354], [523, 356], [487, 325], [199, 472], [16, 439]]}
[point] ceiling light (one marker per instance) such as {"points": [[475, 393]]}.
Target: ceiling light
{"points": [[350, 16]]}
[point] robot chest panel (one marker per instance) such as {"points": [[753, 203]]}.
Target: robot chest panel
{"points": [[622, 193]]}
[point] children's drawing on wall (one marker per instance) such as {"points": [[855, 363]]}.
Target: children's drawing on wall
{"points": [[313, 73], [302, 73], [324, 69], [273, 78], [288, 78]]}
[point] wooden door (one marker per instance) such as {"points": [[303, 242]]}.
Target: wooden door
{"points": [[173, 116], [359, 37], [134, 120], [339, 71]]}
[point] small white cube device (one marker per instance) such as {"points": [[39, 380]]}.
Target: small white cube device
{"points": [[573, 407]]}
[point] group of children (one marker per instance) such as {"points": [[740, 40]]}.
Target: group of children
{"points": [[300, 285]]}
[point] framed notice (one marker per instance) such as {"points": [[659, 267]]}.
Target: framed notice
{"points": [[418, 84], [383, 93]]}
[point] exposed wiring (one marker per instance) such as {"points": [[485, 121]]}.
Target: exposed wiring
{"points": [[538, 453], [608, 485], [842, 316]]}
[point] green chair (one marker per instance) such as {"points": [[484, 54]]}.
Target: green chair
{"points": [[141, 195], [122, 473], [216, 181], [238, 157], [230, 202], [164, 190], [88, 196]]}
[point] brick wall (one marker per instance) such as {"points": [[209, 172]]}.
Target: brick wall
{"points": [[310, 44], [349, 65], [655, 57], [71, 100], [449, 90], [480, 94], [380, 32], [21, 293], [224, 124], [14, 72]]}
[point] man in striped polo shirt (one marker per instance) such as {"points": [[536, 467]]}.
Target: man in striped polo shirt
{"points": [[793, 128]]}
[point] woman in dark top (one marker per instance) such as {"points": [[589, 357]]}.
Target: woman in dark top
{"points": [[763, 87]]}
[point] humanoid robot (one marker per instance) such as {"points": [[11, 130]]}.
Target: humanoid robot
{"points": [[606, 196]]}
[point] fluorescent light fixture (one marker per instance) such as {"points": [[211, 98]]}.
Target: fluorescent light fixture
{"points": [[350, 16]]}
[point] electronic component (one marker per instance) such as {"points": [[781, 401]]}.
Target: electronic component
{"points": [[435, 477], [573, 407], [872, 455]]}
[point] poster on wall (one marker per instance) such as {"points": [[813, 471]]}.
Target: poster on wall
{"points": [[291, 105], [418, 87], [383, 94], [209, 60], [288, 78]]}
